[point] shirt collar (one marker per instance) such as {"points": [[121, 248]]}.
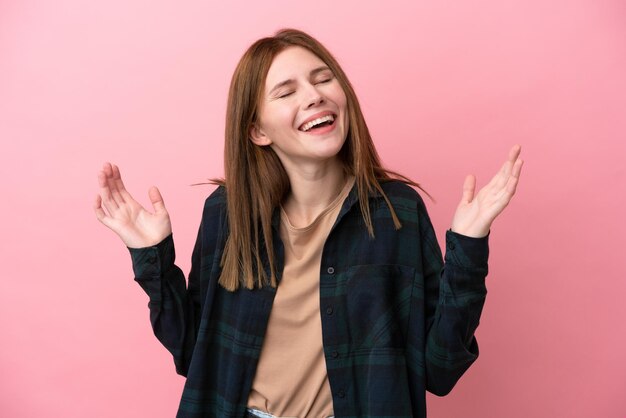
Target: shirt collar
{"points": [[351, 200]]}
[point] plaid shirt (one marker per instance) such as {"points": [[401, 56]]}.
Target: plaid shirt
{"points": [[396, 321]]}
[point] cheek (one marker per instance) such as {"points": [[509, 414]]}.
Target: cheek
{"points": [[281, 126], [343, 104], [278, 120], [342, 101]]}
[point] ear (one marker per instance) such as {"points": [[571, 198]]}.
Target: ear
{"points": [[258, 137]]}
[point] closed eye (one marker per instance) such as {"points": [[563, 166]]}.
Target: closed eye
{"points": [[286, 94], [325, 79]]}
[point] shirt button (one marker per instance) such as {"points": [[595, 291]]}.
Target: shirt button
{"points": [[334, 354], [330, 270], [341, 393], [451, 245], [329, 310]]}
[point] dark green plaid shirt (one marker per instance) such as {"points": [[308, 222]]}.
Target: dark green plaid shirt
{"points": [[396, 321]]}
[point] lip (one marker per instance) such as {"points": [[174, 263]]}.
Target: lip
{"points": [[315, 116]]}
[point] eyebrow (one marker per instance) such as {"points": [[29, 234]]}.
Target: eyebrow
{"points": [[290, 81]]}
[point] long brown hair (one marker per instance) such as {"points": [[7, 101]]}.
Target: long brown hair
{"points": [[255, 179]]}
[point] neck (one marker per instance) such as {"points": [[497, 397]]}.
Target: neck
{"points": [[312, 190]]}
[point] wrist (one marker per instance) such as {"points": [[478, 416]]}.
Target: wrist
{"points": [[471, 232]]}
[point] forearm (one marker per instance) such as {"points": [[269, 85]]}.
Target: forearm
{"points": [[450, 345], [171, 311]]}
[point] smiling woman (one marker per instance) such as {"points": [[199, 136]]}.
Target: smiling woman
{"points": [[303, 119], [317, 286]]}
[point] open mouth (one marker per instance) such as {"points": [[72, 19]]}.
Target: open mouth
{"points": [[319, 123]]}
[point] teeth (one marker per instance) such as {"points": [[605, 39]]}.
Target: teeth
{"points": [[309, 125]]}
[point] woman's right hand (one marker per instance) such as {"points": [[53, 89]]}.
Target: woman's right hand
{"points": [[136, 226]]}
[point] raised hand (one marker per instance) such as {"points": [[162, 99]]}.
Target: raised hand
{"points": [[128, 219], [475, 213]]}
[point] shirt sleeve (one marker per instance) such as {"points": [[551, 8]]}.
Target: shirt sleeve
{"points": [[174, 308], [454, 293]]}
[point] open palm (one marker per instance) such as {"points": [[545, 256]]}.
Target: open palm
{"points": [[476, 212], [128, 219]]}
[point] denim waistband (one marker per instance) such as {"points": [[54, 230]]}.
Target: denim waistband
{"points": [[255, 413]]}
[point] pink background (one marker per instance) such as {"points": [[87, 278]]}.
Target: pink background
{"points": [[446, 87]]}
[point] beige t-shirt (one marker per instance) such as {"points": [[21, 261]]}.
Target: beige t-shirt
{"points": [[291, 379]]}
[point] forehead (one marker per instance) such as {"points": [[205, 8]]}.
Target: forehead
{"points": [[290, 63]]}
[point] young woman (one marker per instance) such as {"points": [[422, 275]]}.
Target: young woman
{"points": [[317, 286]]}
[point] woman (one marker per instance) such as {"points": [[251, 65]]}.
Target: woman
{"points": [[317, 286]]}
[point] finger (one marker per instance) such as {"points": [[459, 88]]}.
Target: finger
{"points": [[511, 185], [506, 193], [499, 181], [117, 178], [469, 187], [156, 199], [496, 181], [100, 213], [502, 176], [517, 168], [115, 194], [507, 167], [515, 152], [105, 192]]}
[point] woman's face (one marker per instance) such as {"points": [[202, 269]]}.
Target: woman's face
{"points": [[302, 112]]}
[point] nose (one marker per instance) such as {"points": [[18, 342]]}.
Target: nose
{"points": [[313, 97]]}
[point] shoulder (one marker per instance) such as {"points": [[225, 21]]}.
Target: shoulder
{"points": [[402, 195], [216, 200], [214, 211]]}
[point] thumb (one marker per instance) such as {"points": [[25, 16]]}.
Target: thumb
{"points": [[469, 187], [156, 199]]}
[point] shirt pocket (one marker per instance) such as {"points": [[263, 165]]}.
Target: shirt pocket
{"points": [[378, 301]]}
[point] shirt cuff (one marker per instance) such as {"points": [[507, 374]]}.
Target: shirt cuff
{"points": [[467, 252], [149, 263]]}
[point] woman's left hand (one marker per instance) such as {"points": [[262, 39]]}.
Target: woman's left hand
{"points": [[475, 213]]}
